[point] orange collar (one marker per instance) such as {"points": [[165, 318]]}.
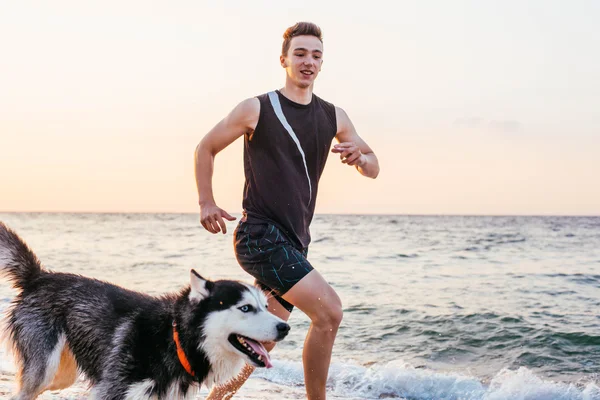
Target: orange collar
{"points": [[180, 353]]}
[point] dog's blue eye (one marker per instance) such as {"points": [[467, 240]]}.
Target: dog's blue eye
{"points": [[246, 308]]}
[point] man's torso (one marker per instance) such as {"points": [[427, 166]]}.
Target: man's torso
{"points": [[284, 158]]}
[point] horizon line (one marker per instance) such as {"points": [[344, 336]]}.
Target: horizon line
{"points": [[316, 214]]}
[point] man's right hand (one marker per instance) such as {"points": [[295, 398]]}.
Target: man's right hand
{"points": [[211, 218]]}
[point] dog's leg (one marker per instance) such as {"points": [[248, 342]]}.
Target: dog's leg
{"points": [[38, 348], [67, 370], [117, 390], [115, 383]]}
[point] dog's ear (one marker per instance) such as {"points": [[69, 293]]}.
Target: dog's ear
{"points": [[200, 287]]}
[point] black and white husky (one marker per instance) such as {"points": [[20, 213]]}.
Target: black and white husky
{"points": [[127, 344]]}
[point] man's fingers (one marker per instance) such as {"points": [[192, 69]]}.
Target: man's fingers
{"points": [[349, 155], [227, 216], [222, 225], [352, 160], [341, 147], [210, 226], [345, 154], [214, 222], [206, 224]]}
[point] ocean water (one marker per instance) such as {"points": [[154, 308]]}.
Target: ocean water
{"points": [[435, 307]]}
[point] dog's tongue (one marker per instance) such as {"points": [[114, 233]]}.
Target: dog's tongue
{"points": [[260, 350]]}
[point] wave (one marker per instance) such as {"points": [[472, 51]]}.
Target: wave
{"points": [[393, 256], [578, 278], [493, 240], [323, 239], [485, 341], [399, 380]]}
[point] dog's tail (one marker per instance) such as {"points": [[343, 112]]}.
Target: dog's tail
{"points": [[17, 261]]}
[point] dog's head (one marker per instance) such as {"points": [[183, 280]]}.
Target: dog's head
{"points": [[236, 321]]}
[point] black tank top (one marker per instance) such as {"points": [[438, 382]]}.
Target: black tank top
{"points": [[283, 161]]}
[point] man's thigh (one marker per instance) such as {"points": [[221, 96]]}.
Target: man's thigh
{"points": [[266, 254]]}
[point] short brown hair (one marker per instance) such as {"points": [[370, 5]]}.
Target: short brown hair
{"points": [[299, 29]]}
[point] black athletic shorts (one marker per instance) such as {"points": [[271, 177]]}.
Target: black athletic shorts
{"points": [[269, 256]]}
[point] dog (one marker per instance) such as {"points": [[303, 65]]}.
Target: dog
{"points": [[129, 345]]}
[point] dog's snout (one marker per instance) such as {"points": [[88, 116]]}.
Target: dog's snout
{"points": [[282, 330]]}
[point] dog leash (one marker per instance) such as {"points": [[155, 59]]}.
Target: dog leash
{"points": [[180, 353]]}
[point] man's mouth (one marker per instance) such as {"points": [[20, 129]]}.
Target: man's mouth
{"points": [[252, 348], [307, 73]]}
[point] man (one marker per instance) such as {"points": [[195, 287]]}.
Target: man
{"points": [[287, 137]]}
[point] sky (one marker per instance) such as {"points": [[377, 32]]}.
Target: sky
{"points": [[472, 107]]}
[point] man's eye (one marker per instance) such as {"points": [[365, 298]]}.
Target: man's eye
{"points": [[246, 308], [299, 55]]}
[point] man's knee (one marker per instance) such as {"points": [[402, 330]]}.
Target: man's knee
{"points": [[330, 316], [336, 316]]}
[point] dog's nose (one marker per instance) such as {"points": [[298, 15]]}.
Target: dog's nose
{"points": [[282, 329]]}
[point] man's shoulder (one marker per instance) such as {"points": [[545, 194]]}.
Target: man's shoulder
{"points": [[262, 96], [250, 105], [246, 113]]}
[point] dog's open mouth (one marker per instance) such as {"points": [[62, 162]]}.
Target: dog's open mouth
{"points": [[252, 348]]}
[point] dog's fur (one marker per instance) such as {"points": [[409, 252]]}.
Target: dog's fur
{"points": [[60, 325]]}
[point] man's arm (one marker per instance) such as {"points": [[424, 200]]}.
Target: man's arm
{"points": [[352, 149], [243, 118]]}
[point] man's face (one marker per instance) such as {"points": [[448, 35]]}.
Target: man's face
{"points": [[303, 60]]}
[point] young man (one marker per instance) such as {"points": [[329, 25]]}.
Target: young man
{"points": [[287, 137]]}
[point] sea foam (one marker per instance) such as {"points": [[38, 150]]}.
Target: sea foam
{"points": [[398, 379]]}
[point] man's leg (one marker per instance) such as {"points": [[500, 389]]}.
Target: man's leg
{"points": [[228, 390], [265, 253], [317, 299]]}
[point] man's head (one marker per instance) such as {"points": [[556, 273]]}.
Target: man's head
{"points": [[302, 53]]}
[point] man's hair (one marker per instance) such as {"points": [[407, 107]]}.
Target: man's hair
{"points": [[299, 29]]}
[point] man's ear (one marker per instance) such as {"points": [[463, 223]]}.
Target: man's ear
{"points": [[200, 287], [283, 61]]}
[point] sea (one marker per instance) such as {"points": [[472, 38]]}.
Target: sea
{"points": [[435, 307]]}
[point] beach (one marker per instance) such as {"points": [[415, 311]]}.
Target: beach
{"points": [[435, 307]]}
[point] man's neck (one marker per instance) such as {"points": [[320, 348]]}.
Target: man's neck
{"points": [[297, 94]]}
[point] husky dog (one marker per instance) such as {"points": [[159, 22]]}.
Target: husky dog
{"points": [[127, 344]]}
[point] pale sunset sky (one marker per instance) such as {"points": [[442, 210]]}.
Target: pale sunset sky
{"points": [[473, 107]]}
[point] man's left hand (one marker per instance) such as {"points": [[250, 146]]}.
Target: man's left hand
{"points": [[349, 153]]}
